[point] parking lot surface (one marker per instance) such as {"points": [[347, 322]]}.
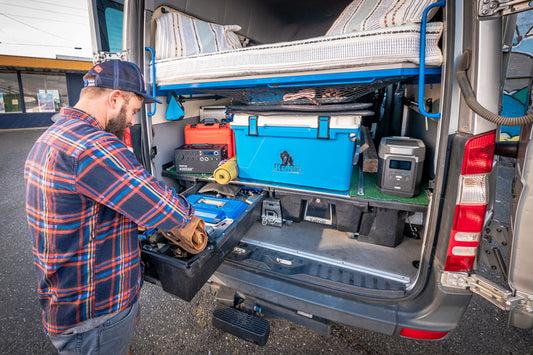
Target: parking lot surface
{"points": [[171, 326]]}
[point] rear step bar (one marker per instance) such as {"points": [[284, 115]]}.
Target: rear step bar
{"points": [[243, 325]]}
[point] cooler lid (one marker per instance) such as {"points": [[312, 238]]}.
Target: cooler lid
{"points": [[307, 121]]}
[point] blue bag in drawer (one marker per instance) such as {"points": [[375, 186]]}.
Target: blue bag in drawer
{"points": [[215, 209]]}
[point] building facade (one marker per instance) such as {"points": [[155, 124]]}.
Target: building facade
{"points": [[32, 90]]}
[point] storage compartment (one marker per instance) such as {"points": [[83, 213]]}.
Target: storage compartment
{"points": [[296, 109], [334, 229], [359, 245], [340, 213], [368, 221], [184, 275]]}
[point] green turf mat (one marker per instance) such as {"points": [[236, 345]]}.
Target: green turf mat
{"points": [[372, 192]]}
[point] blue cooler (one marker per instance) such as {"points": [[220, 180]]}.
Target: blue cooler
{"points": [[305, 150]]}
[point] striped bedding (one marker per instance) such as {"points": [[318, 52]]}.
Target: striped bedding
{"points": [[364, 15], [179, 35]]}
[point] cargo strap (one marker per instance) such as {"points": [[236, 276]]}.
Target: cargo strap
{"points": [[323, 127], [252, 125]]}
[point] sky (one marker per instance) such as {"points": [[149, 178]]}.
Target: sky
{"points": [[45, 28]]}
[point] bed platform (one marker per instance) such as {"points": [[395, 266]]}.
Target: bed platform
{"points": [[365, 53], [262, 74]]}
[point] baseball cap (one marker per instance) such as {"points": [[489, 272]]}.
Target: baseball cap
{"points": [[120, 75]]}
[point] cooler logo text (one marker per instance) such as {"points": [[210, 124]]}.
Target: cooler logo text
{"points": [[287, 164]]}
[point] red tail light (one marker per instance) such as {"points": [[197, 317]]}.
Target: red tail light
{"points": [[479, 153], [471, 202], [127, 137], [422, 334], [469, 218]]}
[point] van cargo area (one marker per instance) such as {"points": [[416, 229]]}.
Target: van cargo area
{"points": [[338, 211]]}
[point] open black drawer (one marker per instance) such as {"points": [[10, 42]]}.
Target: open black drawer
{"points": [[185, 277]]}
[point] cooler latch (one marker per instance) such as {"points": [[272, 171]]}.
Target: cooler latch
{"points": [[252, 125], [323, 127]]}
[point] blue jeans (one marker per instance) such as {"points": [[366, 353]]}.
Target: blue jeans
{"points": [[111, 337]]}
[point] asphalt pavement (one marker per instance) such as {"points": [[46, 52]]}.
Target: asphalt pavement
{"points": [[171, 326]]}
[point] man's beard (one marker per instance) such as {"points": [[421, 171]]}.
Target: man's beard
{"points": [[117, 125]]}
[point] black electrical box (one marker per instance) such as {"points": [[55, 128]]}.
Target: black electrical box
{"points": [[199, 158], [400, 165]]}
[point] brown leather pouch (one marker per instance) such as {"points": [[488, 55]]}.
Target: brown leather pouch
{"points": [[192, 238]]}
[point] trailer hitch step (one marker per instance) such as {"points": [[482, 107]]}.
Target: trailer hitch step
{"points": [[243, 325]]}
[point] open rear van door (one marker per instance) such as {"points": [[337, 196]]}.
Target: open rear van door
{"points": [[512, 246]]}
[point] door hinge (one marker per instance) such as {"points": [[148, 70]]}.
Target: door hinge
{"points": [[103, 56], [494, 293], [492, 8]]}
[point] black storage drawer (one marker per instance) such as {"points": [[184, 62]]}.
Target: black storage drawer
{"points": [[184, 278], [341, 213]]}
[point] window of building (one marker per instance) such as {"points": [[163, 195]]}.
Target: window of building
{"points": [[9, 93], [44, 92]]}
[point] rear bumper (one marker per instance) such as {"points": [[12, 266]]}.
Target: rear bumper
{"points": [[434, 309]]}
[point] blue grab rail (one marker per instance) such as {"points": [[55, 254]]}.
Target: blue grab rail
{"points": [[152, 57], [422, 64]]}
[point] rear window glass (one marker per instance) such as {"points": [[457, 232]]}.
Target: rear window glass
{"points": [[113, 19], [110, 14]]}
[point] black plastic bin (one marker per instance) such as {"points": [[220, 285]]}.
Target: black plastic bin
{"points": [[184, 278]]}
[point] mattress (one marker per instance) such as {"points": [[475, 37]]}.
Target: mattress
{"points": [[350, 51]]}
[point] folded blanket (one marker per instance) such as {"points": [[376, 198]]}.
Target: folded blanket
{"points": [[192, 238]]}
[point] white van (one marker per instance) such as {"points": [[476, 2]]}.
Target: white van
{"points": [[366, 137]]}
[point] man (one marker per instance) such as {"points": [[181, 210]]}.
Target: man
{"points": [[86, 195]]}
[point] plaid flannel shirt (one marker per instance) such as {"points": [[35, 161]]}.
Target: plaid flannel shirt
{"points": [[85, 195]]}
